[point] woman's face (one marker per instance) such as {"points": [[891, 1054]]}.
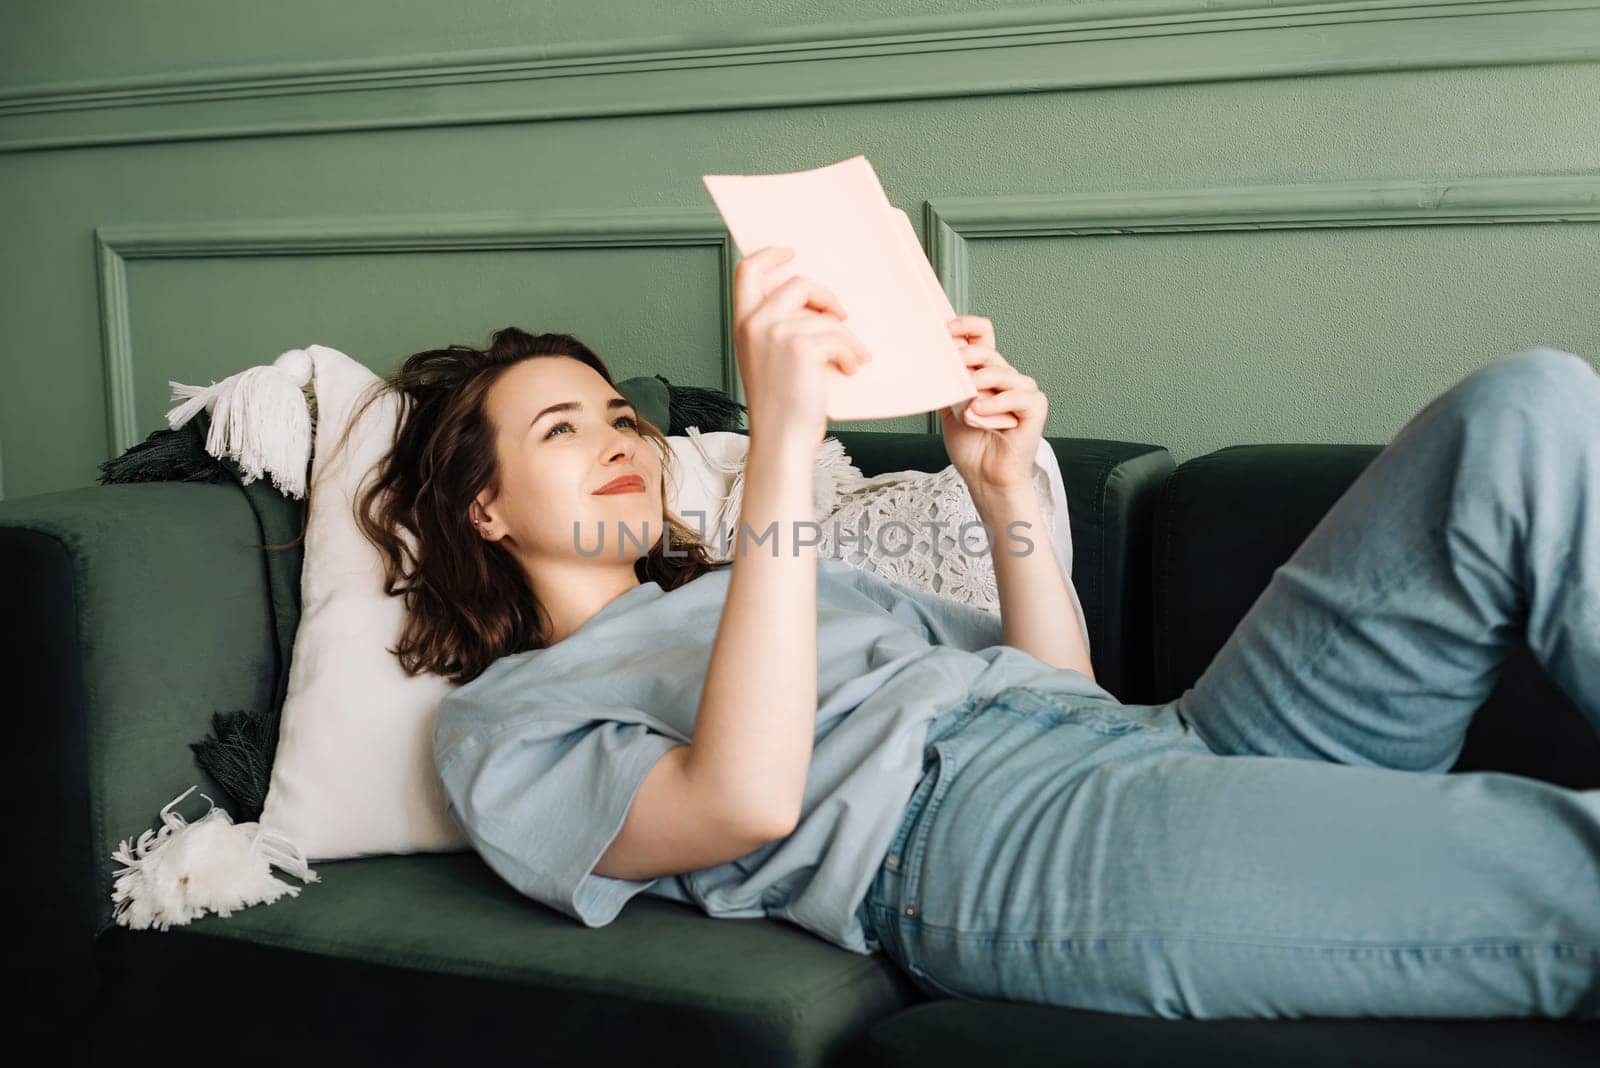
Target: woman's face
{"points": [[553, 461]]}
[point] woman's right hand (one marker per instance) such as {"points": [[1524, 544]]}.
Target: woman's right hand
{"points": [[785, 339]]}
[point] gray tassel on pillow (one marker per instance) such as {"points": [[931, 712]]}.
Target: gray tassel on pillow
{"points": [[702, 406], [166, 456], [238, 755]]}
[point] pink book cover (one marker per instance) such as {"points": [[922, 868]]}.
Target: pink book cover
{"points": [[846, 235]]}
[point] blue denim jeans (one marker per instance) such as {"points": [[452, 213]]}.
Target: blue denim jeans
{"points": [[1282, 840]]}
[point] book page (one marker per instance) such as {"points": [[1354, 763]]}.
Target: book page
{"points": [[847, 236], [941, 308]]}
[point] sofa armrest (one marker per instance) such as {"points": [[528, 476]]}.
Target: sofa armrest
{"points": [[1226, 521], [128, 615], [1112, 487]]}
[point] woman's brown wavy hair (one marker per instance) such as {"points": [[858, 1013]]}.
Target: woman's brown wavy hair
{"points": [[468, 602]]}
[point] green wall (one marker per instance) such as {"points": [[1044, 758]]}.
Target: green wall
{"points": [[1196, 224]]}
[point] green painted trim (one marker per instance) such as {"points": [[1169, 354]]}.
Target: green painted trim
{"points": [[732, 384], [115, 246], [1090, 44], [952, 222], [947, 251], [116, 340]]}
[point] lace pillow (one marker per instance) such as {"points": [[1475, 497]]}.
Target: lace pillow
{"points": [[906, 525], [870, 522]]}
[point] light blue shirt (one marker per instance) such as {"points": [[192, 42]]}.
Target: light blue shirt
{"points": [[542, 754]]}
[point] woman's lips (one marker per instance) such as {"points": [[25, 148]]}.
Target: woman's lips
{"points": [[626, 484]]}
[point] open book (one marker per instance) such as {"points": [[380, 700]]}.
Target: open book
{"points": [[846, 235]]}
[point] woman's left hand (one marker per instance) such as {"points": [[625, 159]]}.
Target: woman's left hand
{"points": [[993, 461]]}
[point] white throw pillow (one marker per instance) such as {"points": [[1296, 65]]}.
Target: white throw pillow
{"points": [[353, 774]]}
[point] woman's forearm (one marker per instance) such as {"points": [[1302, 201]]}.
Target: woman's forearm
{"points": [[1036, 612], [757, 718]]}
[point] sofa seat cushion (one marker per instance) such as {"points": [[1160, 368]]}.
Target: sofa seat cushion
{"points": [[434, 955], [959, 1032]]}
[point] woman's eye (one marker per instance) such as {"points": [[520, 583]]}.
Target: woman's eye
{"points": [[620, 419]]}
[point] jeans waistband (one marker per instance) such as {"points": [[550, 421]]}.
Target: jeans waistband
{"points": [[884, 889], [952, 719]]}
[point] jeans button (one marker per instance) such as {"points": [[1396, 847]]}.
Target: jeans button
{"points": [[893, 863], [911, 910]]}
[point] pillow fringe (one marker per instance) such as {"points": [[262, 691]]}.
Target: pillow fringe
{"points": [[238, 755], [700, 406], [833, 474], [165, 456], [178, 874], [260, 419]]}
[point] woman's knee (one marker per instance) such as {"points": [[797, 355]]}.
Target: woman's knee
{"points": [[1541, 380]]}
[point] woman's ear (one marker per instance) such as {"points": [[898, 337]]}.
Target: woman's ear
{"points": [[479, 517]]}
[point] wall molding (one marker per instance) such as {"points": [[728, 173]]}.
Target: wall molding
{"points": [[115, 246], [952, 223], [1090, 44]]}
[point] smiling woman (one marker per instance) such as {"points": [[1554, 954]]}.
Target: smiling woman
{"points": [[487, 513], [577, 553]]}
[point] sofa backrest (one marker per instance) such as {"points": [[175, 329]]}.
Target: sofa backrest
{"points": [[1227, 520], [1111, 493]]}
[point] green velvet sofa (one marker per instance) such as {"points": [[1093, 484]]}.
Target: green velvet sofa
{"points": [[131, 612]]}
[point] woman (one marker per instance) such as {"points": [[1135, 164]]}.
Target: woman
{"points": [[791, 737]]}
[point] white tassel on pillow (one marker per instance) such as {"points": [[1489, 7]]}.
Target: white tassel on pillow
{"points": [[831, 475], [834, 474], [724, 524], [259, 417], [179, 873]]}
